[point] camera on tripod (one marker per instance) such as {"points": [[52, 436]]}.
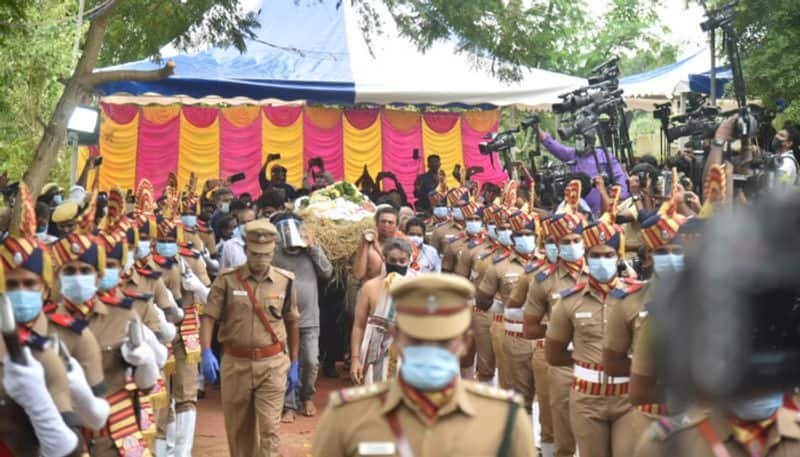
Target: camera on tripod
{"points": [[502, 142]]}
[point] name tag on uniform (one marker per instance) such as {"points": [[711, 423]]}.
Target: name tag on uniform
{"points": [[239, 293], [583, 315], [376, 448]]}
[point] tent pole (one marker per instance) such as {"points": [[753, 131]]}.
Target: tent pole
{"points": [[713, 89]]}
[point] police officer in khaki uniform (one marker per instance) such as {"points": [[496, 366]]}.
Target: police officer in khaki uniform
{"points": [[602, 418], [564, 244], [494, 289], [428, 409], [454, 243], [256, 309], [445, 225]]}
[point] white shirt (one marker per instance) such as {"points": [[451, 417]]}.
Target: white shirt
{"points": [[428, 260], [233, 254], [787, 172]]}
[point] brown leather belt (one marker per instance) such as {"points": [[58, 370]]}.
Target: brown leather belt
{"points": [[256, 353]]}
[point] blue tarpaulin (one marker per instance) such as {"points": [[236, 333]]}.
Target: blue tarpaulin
{"points": [[702, 82]]}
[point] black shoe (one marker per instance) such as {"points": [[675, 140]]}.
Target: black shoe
{"points": [[201, 394]]}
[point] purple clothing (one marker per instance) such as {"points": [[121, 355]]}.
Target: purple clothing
{"points": [[588, 166]]}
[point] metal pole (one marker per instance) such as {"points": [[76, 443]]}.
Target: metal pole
{"points": [[713, 67], [79, 24], [72, 140]]}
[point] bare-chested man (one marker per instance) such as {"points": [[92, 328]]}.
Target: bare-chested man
{"points": [[368, 261], [397, 252]]}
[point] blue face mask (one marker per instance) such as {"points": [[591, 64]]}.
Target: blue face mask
{"points": [[166, 249], [128, 264], [225, 207], [603, 269], [525, 244], [189, 220], [551, 251], [491, 230], [40, 230], [27, 304], [58, 199], [504, 237], [662, 264], [474, 227], [571, 252], [755, 409], [78, 288], [428, 367], [143, 249], [457, 214], [677, 261], [109, 280], [441, 212]]}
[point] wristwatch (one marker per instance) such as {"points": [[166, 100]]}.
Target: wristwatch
{"points": [[718, 142]]}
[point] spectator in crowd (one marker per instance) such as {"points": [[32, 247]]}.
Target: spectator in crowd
{"points": [[428, 259], [43, 222], [233, 253], [427, 182], [308, 262], [278, 181], [222, 199], [315, 176], [270, 202]]}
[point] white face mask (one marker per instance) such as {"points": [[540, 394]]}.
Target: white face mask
{"points": [[417, 240]]}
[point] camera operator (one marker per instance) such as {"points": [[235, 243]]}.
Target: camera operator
{"points": [[316, 177], [588, 160], [786, 143], [426, 183]]}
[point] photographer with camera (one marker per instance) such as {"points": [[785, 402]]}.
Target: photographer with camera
{"points": [[585, 158]]}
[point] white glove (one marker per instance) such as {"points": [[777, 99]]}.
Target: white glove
{"points": [[174, 309], [211, 263], [92, 411], [142, 358], [160, 352], [25, 384], [192, 283], [137, 356], [167, 330]]}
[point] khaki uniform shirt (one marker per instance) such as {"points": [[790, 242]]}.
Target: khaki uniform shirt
{"points": [[623, 324], [439, 234], [239, 325], [82, 345], [502, 277], [464, 261], [171, 277], [109, 324], [472, 423], [481, 261], [198, 267], [783, 437], [453, 247], [153, 286], [644, 352], [145, 308], [582, 318], [540, 299], [16, 433], [520, 292], [195, 238]]}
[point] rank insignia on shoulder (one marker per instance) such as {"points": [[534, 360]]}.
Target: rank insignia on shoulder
{"points": [[32, 339], [493, 392], [546, 272], [500, 257], [453, 238], [534, 265], [627, 287], [475, 243], [69, 322], [572, 290], [136, 295], [353, 394], [483, 255]]}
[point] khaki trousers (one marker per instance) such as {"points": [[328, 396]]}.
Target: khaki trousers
{"points": [[605, 426], [560, 388], [252, 401], [500, 357], [541, 378], [181, 388], [520, 356], [481, 325]]}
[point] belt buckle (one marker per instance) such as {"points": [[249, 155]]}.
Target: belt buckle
{"points": [[254, 353]]}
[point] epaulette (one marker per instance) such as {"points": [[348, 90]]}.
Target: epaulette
{"points": [[534, 265], [202, 227], [493, 392], [484, 255], [68, 322], [186, 252], [32, 339], [572, 290], [499, 258], [441, 224], [148, 273], [113, 300], [283, 272], [353, 394], [628, 287], [546, 272], [136, 295], [164, 262], [475, 242], [452, 238]]}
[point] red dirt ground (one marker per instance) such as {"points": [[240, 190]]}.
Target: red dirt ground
{"points": [[210, 440]]}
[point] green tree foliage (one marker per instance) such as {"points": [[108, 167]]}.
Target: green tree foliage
{"points": [[559, 35], [35, 53]]}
